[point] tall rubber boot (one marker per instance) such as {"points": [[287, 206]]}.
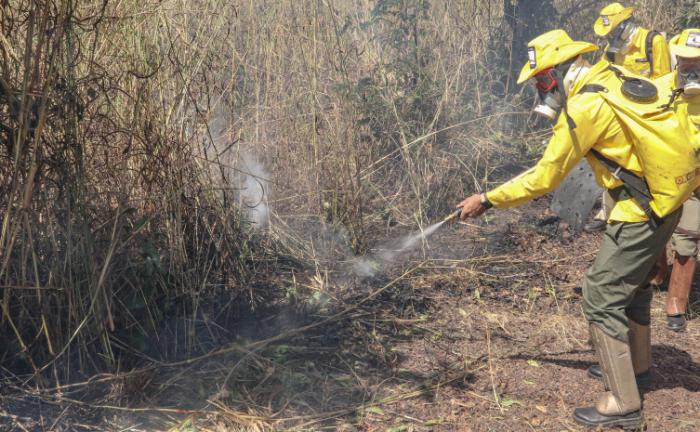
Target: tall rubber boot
{"points": [[621, 406], [640, 348], [678, 291]]}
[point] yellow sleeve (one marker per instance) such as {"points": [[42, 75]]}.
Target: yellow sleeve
{"points": [[563, 152], [661, 56]]}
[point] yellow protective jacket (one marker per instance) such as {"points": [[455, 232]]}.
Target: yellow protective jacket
{"points": [[651, 142], [636, 61], [685, 107]]}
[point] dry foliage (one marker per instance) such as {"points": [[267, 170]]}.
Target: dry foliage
{"points": [[133, 130]]}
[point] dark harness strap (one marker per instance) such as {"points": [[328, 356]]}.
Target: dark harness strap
{"points": [[649, 47], [649, 51], [633, 186], [593, 88]]}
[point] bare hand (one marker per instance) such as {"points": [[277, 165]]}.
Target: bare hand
{"points": [[471, 207]]}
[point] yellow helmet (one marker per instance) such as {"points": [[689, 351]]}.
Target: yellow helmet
{"points": [[550, 49], [610, 17], [686, 44]]}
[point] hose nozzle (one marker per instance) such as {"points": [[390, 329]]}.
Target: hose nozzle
{"points": [[454, 215]]}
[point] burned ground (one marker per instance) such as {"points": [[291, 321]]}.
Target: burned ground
{"points": [[480, 331]]}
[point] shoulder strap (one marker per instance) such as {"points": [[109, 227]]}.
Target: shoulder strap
{"points": [[593, 88], [649, 47], [636, 186]]}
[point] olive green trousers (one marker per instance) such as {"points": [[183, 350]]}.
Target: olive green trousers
{"points": [[684, 243], [616, 287]]}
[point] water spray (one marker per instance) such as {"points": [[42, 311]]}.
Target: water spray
{"points": [[375, 262]]}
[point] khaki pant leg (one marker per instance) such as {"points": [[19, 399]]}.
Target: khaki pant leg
{"points": [[616, 283], [684, 244], [607, 203]]}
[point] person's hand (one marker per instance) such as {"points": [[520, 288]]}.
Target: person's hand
{"points": [[472, 206]]}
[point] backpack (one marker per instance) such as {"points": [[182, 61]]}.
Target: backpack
{"points": [[658, 134]]}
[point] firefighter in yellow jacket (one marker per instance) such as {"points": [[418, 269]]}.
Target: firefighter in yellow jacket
{"points": [[685, 81], [642, 51], [616, 289]]}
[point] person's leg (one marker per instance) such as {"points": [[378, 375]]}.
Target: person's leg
{"points": [[600, 220], [614, 287], [639, 319], [685, 245], [660, 270]]}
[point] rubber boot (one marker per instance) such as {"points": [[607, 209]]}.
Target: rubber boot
{"points": [[640, 348], [621, 406], [678, 291]]}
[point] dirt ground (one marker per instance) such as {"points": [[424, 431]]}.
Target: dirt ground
{"points": [[481, 331]]}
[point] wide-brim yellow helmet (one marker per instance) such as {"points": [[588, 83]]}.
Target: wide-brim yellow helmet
{"points": [[551, 49], [610, 17], [686, 44]]}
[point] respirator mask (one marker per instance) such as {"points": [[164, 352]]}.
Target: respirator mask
{"points": [[553, 86], [619, 38], [547, 84], [688, 75]]}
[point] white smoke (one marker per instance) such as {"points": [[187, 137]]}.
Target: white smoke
{"points": [[389, 253], [254, 190], [243, 171]]}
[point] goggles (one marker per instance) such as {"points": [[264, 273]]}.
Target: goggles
{"points": [[546, 80]]}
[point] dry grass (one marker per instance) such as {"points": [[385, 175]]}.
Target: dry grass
{"points": [[134, 132]]}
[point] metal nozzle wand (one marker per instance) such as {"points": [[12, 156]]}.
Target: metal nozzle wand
{"points": [[454, 215]]}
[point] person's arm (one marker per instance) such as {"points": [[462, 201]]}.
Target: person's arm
{"points": [[661, 56], [563, 152]]}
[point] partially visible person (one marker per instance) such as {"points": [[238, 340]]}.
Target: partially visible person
{"points": [[639, 50], [684, 243], [684, 81]]}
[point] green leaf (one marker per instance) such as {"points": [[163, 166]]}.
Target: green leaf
{"points": [[507, 402], [533, 363], [375, 410]]}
